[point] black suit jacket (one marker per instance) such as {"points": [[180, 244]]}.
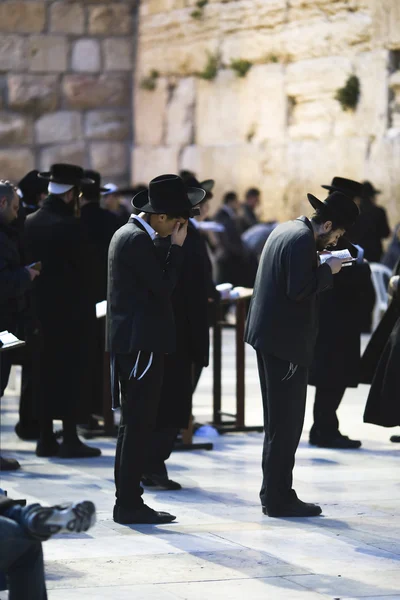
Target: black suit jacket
{"points": [[283, 315], [140, 286]]}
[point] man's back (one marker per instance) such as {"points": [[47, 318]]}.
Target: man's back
{"points": [[283, 317]]}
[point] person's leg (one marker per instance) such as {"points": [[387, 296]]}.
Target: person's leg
{"points": [[325, 430], [21, 559], [160, 445], [284, 389]]}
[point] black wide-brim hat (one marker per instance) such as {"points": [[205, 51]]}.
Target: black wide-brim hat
{"points": [[338, 207], [167, 194], [30, 185], [351, 188], [66, 175], [368, 190], [92, 190]]}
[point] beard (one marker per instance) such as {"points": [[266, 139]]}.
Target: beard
{"points": [[322, 241]]}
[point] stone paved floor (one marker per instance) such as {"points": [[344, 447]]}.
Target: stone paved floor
{"points": [[221, 545]]}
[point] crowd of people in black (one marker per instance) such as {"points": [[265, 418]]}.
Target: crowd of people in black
{"points": [[68, 242]]}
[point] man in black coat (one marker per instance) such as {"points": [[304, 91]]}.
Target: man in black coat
{"points": [[65, 311], [99, 225], [190, 302], [141, 329], [336, 364], [248, 217], [282, 327], [15, 282]]}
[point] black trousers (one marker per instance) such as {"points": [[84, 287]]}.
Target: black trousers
{"points": [[284, 391], [139, 408], [326, 403], [160, 445]]}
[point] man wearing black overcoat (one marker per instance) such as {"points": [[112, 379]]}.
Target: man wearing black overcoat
{"points": [[282, 327], [62, 299], [141, 329], [190, 302]]}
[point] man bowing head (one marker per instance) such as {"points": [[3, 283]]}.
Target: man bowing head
{"points": [[141, 328]]}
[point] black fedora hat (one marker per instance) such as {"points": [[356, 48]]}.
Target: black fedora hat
{"points": [[92, 190], [338, 207], [66, 174], [368, 190], [31, 185], [168, 194], [351, 188]]}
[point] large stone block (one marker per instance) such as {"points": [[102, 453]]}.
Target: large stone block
{"points": [[308, 80], [67, 17], [110, 158], [48, 53], [22, 17], [149, 162], [14, 164], [110, 19], [62, 126], [33, 93], [159, 6], [107, 125], [117, 54], [86, 56], [386, 22], [150, 113], [87, 91], [234, 110], [180, 113], [13, 53], [63, 153], [382, 167], [15, 129], [174, 58]]}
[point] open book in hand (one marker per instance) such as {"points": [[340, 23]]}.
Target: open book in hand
{"points": [[344, 256]]}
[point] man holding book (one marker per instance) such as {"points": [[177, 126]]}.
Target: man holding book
{"points": [[282, 327]]}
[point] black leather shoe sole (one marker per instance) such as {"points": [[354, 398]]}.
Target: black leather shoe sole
{"points": [[395, 439], [300, 509], [337, 443], [78, 451], [141, 516], [9, 464], [161, 483]]}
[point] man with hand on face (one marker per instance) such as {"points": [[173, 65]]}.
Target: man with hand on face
{"points": [[141, 329], [282, 326]]}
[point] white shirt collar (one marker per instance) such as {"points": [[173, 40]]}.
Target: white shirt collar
{"points": [[194, 223], [152, 233]]}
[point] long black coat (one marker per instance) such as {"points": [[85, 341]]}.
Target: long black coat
{"points": [[190, 306], [337, 351], [283, 315], [380, 367], [64, 307]]}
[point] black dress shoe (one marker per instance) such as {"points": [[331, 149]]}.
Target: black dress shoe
{"points": [[160, 482], [338, 441], [9, 464], [143, 515], [395, 439], [47, 448], [28, 433], [77, 450], [295, 508]]}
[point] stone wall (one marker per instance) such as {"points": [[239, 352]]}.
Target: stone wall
{"points": [[279, 127], [66, 85]]}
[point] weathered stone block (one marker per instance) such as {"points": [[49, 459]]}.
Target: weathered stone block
{"points": [[386, 22], [86, 56], [59, 127], [15, 129], [67, 17], [86, 91], [13, 53], [117, 54], [149, 162], [33, 93], [110, 19], [107, 125], [14, 164], [63, 153], [180, 113], [22, 17], [149, 114], [110, 158], [48, 53], [175, 58]]}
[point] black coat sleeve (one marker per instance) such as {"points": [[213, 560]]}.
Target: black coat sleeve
{"points": [[14, 280], [141, 257], [302, 278]]}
